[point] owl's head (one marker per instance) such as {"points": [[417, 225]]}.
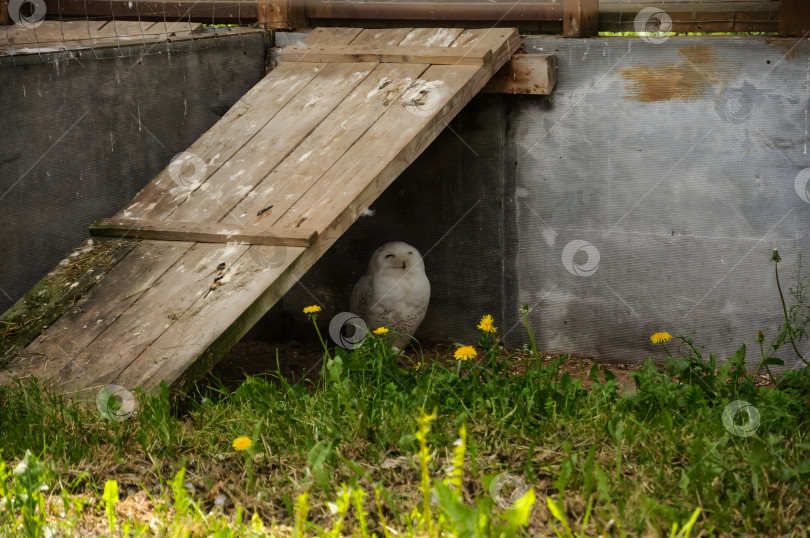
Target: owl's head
{"points": [[396, 256]]}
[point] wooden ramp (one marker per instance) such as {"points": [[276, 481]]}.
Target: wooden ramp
{"points": [[232, 223]]}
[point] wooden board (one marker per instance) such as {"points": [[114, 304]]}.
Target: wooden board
{"points": [[525, 74], [296, 160], [172, 230], [388, 54], [82, 34]]}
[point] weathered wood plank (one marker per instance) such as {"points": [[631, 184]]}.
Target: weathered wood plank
{"points": [[294, 176], [449, 56], [216, 146], [98, 308], [237, 178], [382, 36], [331, 36], [431, 37], [395, 140], [57, 293], [208, 295], [72, 34], [166, 230], [526, 74], [188, 343], [227, 321], [200, 275]]}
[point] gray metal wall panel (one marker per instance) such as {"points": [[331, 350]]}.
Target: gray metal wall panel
{"points": [[677, 161], [83, 136]]}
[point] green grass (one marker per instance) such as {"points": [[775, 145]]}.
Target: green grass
{"points": [[505, 444], [635, 461]]}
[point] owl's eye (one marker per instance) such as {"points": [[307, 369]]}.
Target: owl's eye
{"points": [[411, 253], [389, 256]]}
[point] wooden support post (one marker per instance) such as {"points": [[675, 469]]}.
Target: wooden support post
{"points": [[580, 18], [4, 18], [525, 74], [794, 18], [281, 14]]}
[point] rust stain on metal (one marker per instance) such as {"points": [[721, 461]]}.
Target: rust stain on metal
{"points": [[786, 45], [688, 79]]}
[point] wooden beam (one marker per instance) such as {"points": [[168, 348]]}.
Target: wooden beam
{"points": [[794, 18], [580, 18], [393, 54], [741, 16], [166, 230], [210, 11], [525, 74], [490, 10], [281, 14]]}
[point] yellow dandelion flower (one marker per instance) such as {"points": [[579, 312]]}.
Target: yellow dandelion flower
{"points": [[380, 330], [465, 353], [659, 338], [312, 309], [487, 323], [418, 365], [242, 443]]}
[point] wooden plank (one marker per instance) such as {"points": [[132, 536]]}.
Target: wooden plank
{"points": [[200, 275], [395, 140], [337, 36], [238, 177], [74, 34], [167, 299], [233, 315], [322, 148], [161, 197], [294, 176], [209, 11], [448, 56], [57, 292], [97, 310], [208, 329], [432, 37], [580, 18], [162, 230], [382, 36], [794, 18], [525, 74], [214, 336], [190, 314], [509, 10]]}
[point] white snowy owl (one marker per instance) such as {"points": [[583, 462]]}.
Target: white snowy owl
{"points": [[394, 293]]}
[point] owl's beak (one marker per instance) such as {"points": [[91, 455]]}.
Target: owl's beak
{"points": [[403, 264]]}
